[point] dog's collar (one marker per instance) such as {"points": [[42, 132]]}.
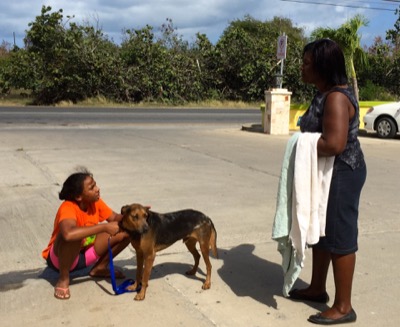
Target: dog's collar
{"points": [[133, 235]]}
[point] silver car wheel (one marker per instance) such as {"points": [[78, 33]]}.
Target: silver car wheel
{"points": [[385, 128]]}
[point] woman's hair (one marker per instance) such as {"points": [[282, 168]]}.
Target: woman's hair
{"points": [[73, 185], [328, 61]]}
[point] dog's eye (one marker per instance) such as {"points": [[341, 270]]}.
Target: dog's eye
{"points": [[135, 217]]}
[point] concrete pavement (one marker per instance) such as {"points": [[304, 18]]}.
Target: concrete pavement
{"points": [[230, 174]]}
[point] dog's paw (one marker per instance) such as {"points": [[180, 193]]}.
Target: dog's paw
{"points": [[191, 272], [134, 287], [139, 297], [206, 286]]}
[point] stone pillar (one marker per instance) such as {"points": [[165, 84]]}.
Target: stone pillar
{"points": [[277, 112]]}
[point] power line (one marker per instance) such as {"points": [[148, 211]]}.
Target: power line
{"points": [[344, 5]]}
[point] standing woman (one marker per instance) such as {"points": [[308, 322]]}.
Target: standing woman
{"points": [[334, 112]]}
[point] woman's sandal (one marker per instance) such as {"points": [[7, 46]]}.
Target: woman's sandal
{"points": [[62, 293], [297, 295], [321, 320]]}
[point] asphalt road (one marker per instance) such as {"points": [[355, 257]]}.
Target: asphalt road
{"points": [[58, 116]]}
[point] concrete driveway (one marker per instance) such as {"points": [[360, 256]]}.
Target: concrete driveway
{"points": [[230, 174]]}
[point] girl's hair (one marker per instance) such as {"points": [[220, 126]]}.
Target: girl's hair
{"points": [[73, 185], [328, 61]]}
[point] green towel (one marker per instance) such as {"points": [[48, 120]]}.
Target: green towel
{"points": [[283, 217]]}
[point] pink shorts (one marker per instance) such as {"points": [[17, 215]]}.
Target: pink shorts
{"points": [[86, 257]]}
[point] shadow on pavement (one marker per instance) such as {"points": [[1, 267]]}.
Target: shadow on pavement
{"points": [[246, 274], [249, 275]]}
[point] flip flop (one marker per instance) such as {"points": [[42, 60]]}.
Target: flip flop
{"points": [[62, 293]]}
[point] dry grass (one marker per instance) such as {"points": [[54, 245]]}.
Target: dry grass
{"points": [[15, 98], [20, 99]]}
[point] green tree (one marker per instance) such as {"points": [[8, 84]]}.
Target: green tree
{"points": [[181, 75], [246, 56], [65, 61], [143, 60], [204, 53], [164, 68], [4, 64], [18, 71], [393, 35], [376, 80], [349, 40]]}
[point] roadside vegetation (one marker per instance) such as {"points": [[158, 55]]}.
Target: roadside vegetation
{"points": [[65, 63]]}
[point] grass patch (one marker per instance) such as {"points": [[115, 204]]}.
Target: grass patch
{"points": [[372, 103], [100, 101], [363, 104], [222, 104], [15, 98], [22, 98]]}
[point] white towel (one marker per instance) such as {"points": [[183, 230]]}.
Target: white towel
{"points": [[312, 178]]}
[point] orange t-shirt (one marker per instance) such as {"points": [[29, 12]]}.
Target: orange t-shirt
{"points": [[96, 213]]}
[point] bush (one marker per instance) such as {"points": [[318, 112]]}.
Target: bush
{"points": [[372, 92]]}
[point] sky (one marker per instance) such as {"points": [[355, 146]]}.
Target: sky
{"points": [[209, 17]]}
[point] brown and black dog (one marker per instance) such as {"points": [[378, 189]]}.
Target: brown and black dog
{"points": [[151, 232]]}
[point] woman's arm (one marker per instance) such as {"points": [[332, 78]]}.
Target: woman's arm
{"points": [[338, 111]]}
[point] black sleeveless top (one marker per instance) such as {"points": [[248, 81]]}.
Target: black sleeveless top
{"points": [[312, 122]]}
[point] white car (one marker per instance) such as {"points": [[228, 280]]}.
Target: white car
{"points": [[383, 119]]}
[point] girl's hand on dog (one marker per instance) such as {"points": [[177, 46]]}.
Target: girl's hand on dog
{"points": [[112, 228]]}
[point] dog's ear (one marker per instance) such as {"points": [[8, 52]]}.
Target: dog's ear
{"points": [[124, 209], [147, 208]]}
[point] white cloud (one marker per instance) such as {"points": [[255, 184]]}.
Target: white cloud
{"points": [[210, 17]]}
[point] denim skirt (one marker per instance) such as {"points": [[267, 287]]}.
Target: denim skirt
{"points": [[341, 232]]}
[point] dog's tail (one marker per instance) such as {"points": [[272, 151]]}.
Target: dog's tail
{"points": [[213, 240]]}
